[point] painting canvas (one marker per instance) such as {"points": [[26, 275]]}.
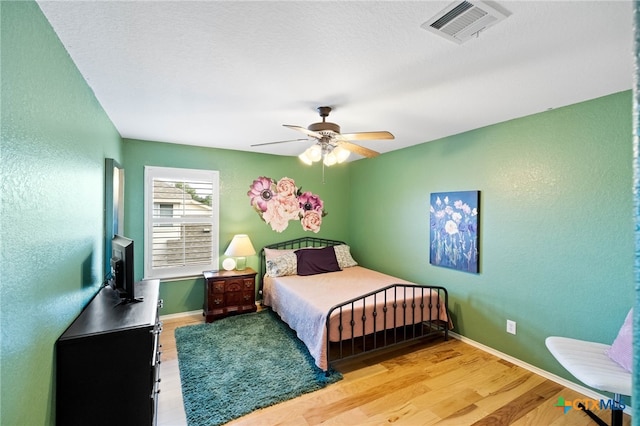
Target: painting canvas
{"points": [[454, 230]]}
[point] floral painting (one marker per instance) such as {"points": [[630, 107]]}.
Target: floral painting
{"points": [[454, 230], [280, 202]]}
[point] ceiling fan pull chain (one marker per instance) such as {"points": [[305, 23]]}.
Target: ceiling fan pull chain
{"points": [[323, 172]]}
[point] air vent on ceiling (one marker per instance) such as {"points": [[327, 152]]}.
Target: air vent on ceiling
{"points": [[463, 20]]}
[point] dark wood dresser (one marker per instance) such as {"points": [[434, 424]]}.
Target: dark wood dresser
{"points": [[228, 293], [108, 361]]}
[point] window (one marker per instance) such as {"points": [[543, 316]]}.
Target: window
{"points": [[164, 209], [181, 222]]}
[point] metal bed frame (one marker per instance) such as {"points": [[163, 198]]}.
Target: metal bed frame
{"points": [[408, 303]]}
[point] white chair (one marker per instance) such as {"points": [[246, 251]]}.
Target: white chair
{"points": [[589, 363]]}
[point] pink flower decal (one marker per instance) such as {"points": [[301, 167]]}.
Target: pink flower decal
{"points": [[309, 201], [278, 203], [286, 187], [311, 221], [261, 192], [280, 211]]}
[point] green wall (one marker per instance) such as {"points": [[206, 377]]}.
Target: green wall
{"points": [[237, 171], [556, 224], [55, 137]]}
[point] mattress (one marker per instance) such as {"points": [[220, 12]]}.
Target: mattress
{"points": [[303, 302]]}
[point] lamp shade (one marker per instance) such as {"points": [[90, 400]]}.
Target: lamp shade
{"points": [[240, 246]]}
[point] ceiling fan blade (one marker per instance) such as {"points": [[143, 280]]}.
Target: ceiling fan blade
{"points": [[364, 136], [305, 131], [273, 143], [361, 150]]}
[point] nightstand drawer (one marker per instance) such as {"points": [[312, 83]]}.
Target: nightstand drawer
{"points": [[217, 300], [233, 285], [217, 286], [250, 284]]}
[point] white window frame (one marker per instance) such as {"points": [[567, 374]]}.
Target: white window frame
{"points": [[152, 173]]}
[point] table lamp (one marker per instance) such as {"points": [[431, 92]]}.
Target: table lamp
{"points": [[240, 247]]}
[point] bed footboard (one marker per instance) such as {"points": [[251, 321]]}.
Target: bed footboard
{"points": [[386, 317]]}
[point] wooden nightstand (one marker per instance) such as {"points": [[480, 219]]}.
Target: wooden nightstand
{"points": [[228, 293]]}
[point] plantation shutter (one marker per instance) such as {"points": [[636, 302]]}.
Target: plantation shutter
{"points": [[181, 230]]}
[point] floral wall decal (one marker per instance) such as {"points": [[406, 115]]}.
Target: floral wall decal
{"points": [[454, 230], [279, 202]]}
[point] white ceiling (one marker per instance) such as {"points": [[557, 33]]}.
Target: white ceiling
{"points": [[228, 74]]}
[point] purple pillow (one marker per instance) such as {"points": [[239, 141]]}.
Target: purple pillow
{"points": [[621, 350], [312, 262]]}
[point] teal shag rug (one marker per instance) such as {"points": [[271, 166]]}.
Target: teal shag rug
{"points": [[235, 365]]}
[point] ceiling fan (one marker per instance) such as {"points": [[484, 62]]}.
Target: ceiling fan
{"points": [[332, 146]]}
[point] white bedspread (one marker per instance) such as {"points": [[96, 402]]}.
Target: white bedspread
{"points": [[304, 301]]}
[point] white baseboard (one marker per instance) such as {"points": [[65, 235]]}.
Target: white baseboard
{"points": [[180, 315], [560, 380]]}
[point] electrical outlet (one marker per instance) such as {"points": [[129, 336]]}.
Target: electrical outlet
{"points": [[511, 327]]}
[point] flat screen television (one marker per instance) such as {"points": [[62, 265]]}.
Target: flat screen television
{"points": [[122, 267]]}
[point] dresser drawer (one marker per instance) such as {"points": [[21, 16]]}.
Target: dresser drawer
{"points": [[229, 293]]}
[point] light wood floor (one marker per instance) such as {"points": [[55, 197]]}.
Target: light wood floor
{"points": [[426, 383]]}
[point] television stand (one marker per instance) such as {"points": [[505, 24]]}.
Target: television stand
{"points": [[108, 361]]}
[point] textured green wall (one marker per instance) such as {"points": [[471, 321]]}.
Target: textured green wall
{"points": [[237, 171], [556, 226], [55, 137]]}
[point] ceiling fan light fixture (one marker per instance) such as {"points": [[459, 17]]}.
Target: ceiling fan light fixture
{"points": [[331, 146], [314, 153], [341, 154], [330, 159], [305, 158]]}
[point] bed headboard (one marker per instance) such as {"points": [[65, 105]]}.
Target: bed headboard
{"points": [[298, 243]]}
